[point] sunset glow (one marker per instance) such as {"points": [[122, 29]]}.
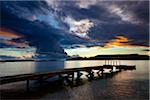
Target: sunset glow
{"points": [[8, 34]]}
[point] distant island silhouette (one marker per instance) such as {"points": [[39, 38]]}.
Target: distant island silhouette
{"points": [[113, 57], [98, 57]]}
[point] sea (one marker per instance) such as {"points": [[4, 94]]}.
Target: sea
{"points": [[126, 85]]}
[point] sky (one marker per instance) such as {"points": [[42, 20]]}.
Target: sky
{"points": [[60, 28]]}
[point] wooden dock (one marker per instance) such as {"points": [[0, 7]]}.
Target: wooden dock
{"points": [[66, 74]]}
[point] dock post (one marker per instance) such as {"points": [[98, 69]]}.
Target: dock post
{"points": [[28, 88], [91, 74], [98, 72], [61, 79], [78, 80], [111, 71], [72, 77], [41, 81], [78, 75], [102, 72]]}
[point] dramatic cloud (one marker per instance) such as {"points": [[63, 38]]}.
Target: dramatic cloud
{"points": [[38, 34], [127, 17], [130, 11], [85, 3], [119, 41], [51, 26], [79, 28]]}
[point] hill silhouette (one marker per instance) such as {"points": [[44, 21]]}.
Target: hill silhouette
{"points": [[114, 57]]}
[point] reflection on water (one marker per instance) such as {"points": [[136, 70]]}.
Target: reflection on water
{"points": [[48, 66], [83, 63], [126, 85], [13, 68]]}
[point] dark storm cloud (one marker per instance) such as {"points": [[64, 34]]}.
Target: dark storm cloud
{"points": [[17, 16], [100, 11], [139, 9], [25, 7], [35, 33], [94, 12], [112, 18], [44, 26], [133, 32], [129, 18]]}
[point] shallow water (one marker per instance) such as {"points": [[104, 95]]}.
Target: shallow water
{"points": [[126, 85]]}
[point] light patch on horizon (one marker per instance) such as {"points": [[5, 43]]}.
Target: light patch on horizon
{"points": [[79, 28], [97, 50], [19, 53], [119, 45]]}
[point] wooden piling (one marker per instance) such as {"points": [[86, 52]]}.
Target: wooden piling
{"points": [[28, 85]]}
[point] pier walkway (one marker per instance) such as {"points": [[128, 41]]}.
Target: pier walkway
{"points": [[69, 75]]}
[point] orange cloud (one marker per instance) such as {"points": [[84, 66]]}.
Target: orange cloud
{"points": [[18, 44], [119, 41], [8, 33]]}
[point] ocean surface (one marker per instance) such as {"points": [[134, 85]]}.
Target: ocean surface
{"points": [[126, 85]]}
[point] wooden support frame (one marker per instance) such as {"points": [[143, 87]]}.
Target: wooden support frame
{"points": [[69, 72]]}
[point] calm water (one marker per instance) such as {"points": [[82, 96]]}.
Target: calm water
{"points": [[127, 85]]}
